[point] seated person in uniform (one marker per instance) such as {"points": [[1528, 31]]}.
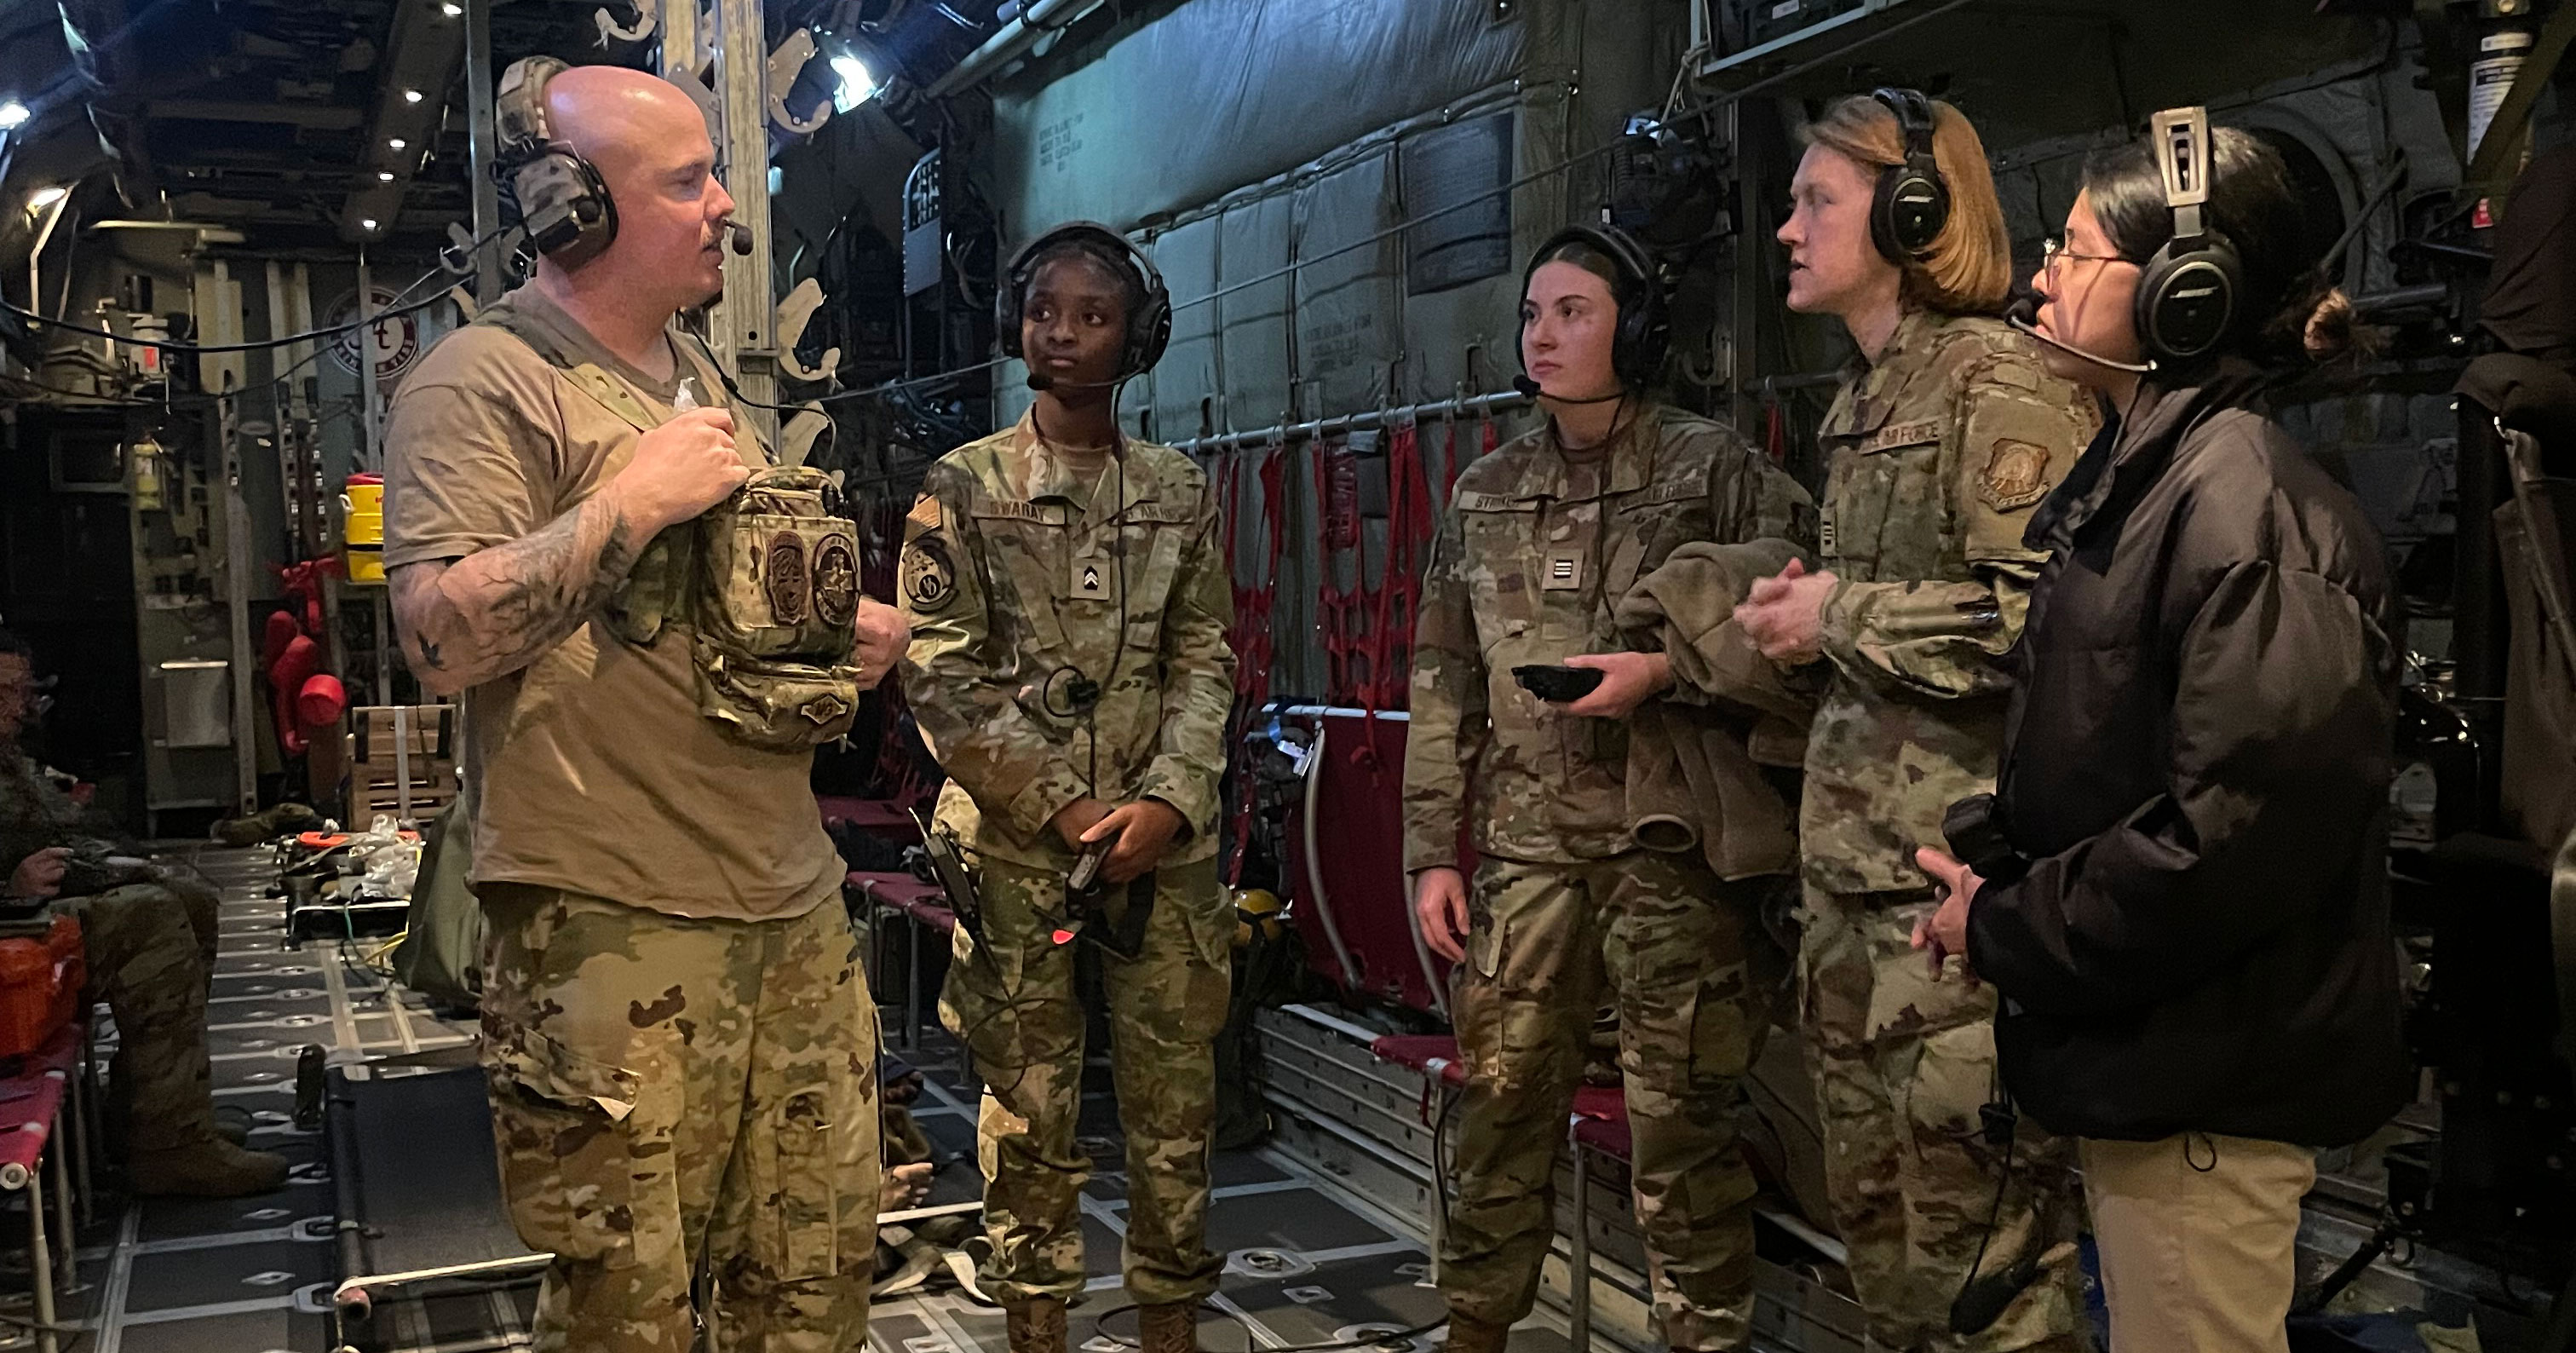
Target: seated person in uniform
{"points": [[148, 936]]}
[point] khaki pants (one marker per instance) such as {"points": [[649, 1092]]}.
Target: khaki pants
{"points": [[2199, 1239]]}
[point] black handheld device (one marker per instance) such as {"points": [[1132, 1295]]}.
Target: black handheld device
{"points": [[1557, 684]]}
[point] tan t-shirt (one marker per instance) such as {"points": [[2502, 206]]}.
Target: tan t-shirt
{"points": [[593, 769]]}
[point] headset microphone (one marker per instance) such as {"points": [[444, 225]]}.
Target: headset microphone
{"points": [[740, 237], [1042, 382], [1530, 390], [2025, 311]]}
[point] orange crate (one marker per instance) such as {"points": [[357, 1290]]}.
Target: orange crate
{"points": [[40, 987]]}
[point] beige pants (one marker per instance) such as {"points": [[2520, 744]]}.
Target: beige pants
{"points": [[2199, 1239]]}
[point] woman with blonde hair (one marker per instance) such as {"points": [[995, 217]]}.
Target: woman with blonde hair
{"points": [[1946, 433]]}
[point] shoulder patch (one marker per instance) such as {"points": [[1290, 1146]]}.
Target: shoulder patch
{"points": [[929, 579], [2015, 475], [926, 512]]}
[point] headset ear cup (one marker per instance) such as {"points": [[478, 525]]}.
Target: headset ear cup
{"points": [[1645, 336], [1151, 332], [1910, 204], [2186, 303], [1006, 312], [1908, 212], [570, 216]]}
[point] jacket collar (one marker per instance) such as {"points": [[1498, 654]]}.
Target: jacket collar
{"points": [[1630, 464], [2133, 450], [1044, 475], [1870, 385], [1916, 324]]}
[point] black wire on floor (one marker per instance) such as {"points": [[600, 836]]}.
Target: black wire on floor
{"points": [[1391, 1339]]}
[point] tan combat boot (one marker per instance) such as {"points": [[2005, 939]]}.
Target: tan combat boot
{"points": [[210, 1168], [1467, 1334], [1169, 1327], [1037, 1327]]}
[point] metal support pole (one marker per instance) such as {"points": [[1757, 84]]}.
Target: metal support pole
{"points": [[1743, 344], [370, 452], [912, 984], [66, 1246], [681, 42], [1578, 1276], [78, 1091], [739, 326], [40, 1262], [482, 147], [384, 637], [1353, 422], [225, 327]]}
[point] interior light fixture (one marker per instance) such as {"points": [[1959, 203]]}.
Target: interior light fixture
{"points": [[451, 11], [411, 96], [858, 84], [46, 197], [13, 115], [367, 224], [397, 143], [384, 176]]}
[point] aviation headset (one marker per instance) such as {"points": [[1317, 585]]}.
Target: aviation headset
{"points": [[561, 196], [2187, 293], [1912, 202], [1645, 331], [1149, 323]]}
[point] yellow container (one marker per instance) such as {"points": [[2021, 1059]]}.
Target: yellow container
{"points": [[367, 564], [362, 517]]}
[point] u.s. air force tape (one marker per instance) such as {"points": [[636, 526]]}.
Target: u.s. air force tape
{"points": [[929, 577]]}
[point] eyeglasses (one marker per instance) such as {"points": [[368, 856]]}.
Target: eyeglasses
{"points": [[2053, 251]]}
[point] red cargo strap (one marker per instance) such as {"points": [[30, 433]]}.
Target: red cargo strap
{"points": [[1410, 525], [1339, 611], [1252, 639]]}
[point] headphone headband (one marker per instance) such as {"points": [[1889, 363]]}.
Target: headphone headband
{"points": [[1913, 121], [2187, 294], [1911, 205], [519, 117], [1149, 322], [1638, 348]]}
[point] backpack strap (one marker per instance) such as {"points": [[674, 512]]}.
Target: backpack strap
{"points": [[655, 590]]}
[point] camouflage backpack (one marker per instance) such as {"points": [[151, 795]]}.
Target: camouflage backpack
{"points": [[765, 584]]}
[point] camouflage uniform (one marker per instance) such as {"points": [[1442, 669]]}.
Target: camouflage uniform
{"points": [[149, 947], [1536, 548], [1021, 583], [1939, 451], [668, 1090]]}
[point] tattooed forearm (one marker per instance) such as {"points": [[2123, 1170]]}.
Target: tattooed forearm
{"points": [[494, 611]]}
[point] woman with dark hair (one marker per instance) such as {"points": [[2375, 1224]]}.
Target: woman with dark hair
{"points": [[2178, 885], [1569, 906]]}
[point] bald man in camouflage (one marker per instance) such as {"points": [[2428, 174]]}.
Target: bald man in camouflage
{"points": [[681, 1044]]}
